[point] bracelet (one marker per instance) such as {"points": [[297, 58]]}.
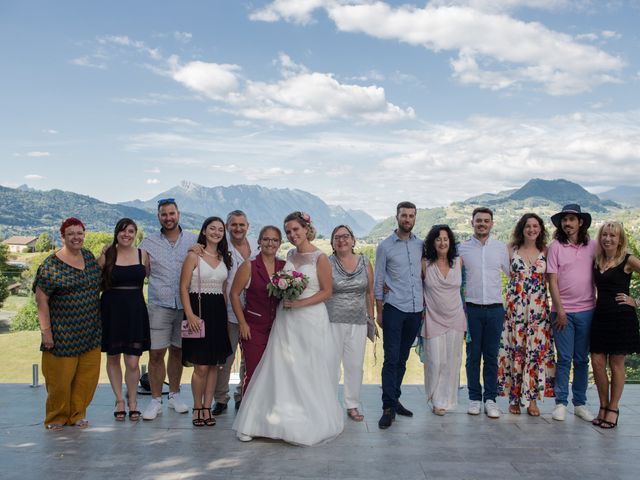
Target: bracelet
{"points": [[42, 330]]}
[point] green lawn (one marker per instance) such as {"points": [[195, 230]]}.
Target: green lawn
{"points": [[13, 303], [19, 350]]}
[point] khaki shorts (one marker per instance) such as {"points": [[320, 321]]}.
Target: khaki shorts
{"points": [[165, 326]]}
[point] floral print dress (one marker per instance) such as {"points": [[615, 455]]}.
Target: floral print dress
{"points": [[526, 367]]}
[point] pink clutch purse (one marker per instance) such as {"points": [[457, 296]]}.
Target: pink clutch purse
{"points": [[185, 333], [184, 327]]}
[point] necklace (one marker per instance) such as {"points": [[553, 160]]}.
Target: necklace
{"points": [[210, 254]]}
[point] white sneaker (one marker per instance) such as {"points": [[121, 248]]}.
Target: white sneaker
{"points": [[491, 409], [584, 413], [559, 412], [178, 405], [153, 410], [474, 407], [244, 438]]}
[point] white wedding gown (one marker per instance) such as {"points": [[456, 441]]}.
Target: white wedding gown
{"points": [[293, 392]]}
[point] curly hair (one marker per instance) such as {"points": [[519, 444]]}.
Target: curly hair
{"points": [[429, 251], [71, 222], [304, 220], [517, 236], [223, 246]]}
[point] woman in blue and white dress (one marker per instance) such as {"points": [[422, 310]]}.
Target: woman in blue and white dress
{"points": [[293, 392]]}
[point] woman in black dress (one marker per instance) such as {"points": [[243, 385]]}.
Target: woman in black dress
{"points": [[125, 321], [202, 291], [614, 331]]}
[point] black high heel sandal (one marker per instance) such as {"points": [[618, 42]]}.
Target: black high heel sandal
{"points": [[199, 420], [606, 424], [597, 421], [119, 415]]}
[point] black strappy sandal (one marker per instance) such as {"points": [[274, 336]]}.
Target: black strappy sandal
{"points": [[199, 420], [209, 421], [119, 415], [597, 421], [606, 424]]}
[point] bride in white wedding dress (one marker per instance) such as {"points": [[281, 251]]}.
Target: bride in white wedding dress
{"points": [[293, 393]]}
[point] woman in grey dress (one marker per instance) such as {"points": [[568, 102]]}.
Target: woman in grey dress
{"points": [[350, 309]]}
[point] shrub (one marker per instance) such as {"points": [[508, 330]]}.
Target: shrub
{"points": [[27, 317]]}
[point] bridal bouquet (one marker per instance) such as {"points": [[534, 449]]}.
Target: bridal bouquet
{"points": [[287, 285]]}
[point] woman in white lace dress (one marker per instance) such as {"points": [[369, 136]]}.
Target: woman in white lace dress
{"points": [[293, 393]]}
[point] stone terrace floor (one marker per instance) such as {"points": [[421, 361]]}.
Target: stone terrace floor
{"points": [[457, 446]]}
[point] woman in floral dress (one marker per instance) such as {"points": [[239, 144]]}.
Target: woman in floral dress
{"points": [[526, 367]]}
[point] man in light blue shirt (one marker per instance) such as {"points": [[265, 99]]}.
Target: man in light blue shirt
{"points": [[483, 258], [167, 251], [399, 310]]}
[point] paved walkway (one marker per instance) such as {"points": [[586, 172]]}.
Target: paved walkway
{"points": [[457, 446]]}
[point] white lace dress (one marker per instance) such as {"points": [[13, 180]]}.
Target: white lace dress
{"points": [[293, 392]]}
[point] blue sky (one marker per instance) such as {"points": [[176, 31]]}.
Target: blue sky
{"points": [[363, 103]]}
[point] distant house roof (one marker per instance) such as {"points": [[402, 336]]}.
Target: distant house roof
{"points": [[18, 240]]}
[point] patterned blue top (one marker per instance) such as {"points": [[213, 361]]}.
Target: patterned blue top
{"points": [[398, 265], [74, 304], [166, 264]]}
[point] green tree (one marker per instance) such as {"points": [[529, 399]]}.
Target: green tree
{"points": [[4, 256], [4, 288], [27, 317], [44, 243], [95, 241]]}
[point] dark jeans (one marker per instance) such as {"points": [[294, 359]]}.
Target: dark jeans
{"points": [[399, 331], [485, 327]]}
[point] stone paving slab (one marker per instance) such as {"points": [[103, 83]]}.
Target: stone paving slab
{"points": [[456, 446]]}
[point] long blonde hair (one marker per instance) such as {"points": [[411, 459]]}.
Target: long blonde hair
{"points": [[621, 251]]}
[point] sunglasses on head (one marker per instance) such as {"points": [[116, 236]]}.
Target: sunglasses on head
{"points": [[164, 201]]}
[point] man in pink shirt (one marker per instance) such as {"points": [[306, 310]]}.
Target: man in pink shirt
{"points": [[570, 269]]}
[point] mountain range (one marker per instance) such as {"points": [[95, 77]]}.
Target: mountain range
{"points": [[262, 205], [25, 211], [544, 197]]}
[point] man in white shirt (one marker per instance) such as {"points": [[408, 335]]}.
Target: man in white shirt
{"points": [[483, 259], [241, 248]]}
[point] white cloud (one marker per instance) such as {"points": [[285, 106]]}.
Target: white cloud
{"points": [[214, 80], [168, 121], [504, 5], [302, 97], [33, 176], [433, 165], [88, 61], [154, 170], [297, 11], [126, 41], [494, 50], [184, 37], [50, 130], [152, 181], [38, 154]]}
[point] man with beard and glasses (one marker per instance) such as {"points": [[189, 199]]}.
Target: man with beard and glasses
{"points": [[483, 259], [570, 271], [399, 305], [241, 248], [167, 250]]}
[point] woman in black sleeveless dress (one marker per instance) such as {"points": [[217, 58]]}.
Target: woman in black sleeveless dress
{"points": [[125, 321], [614, 331]]}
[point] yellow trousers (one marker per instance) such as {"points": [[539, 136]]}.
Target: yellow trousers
{"points": [[71, 383]]}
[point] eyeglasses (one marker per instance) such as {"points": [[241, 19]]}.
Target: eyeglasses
{"points": [[270, 240], [164, 201], [339, 238]]}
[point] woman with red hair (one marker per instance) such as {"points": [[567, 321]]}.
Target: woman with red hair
{"points": [[67, 289]]}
